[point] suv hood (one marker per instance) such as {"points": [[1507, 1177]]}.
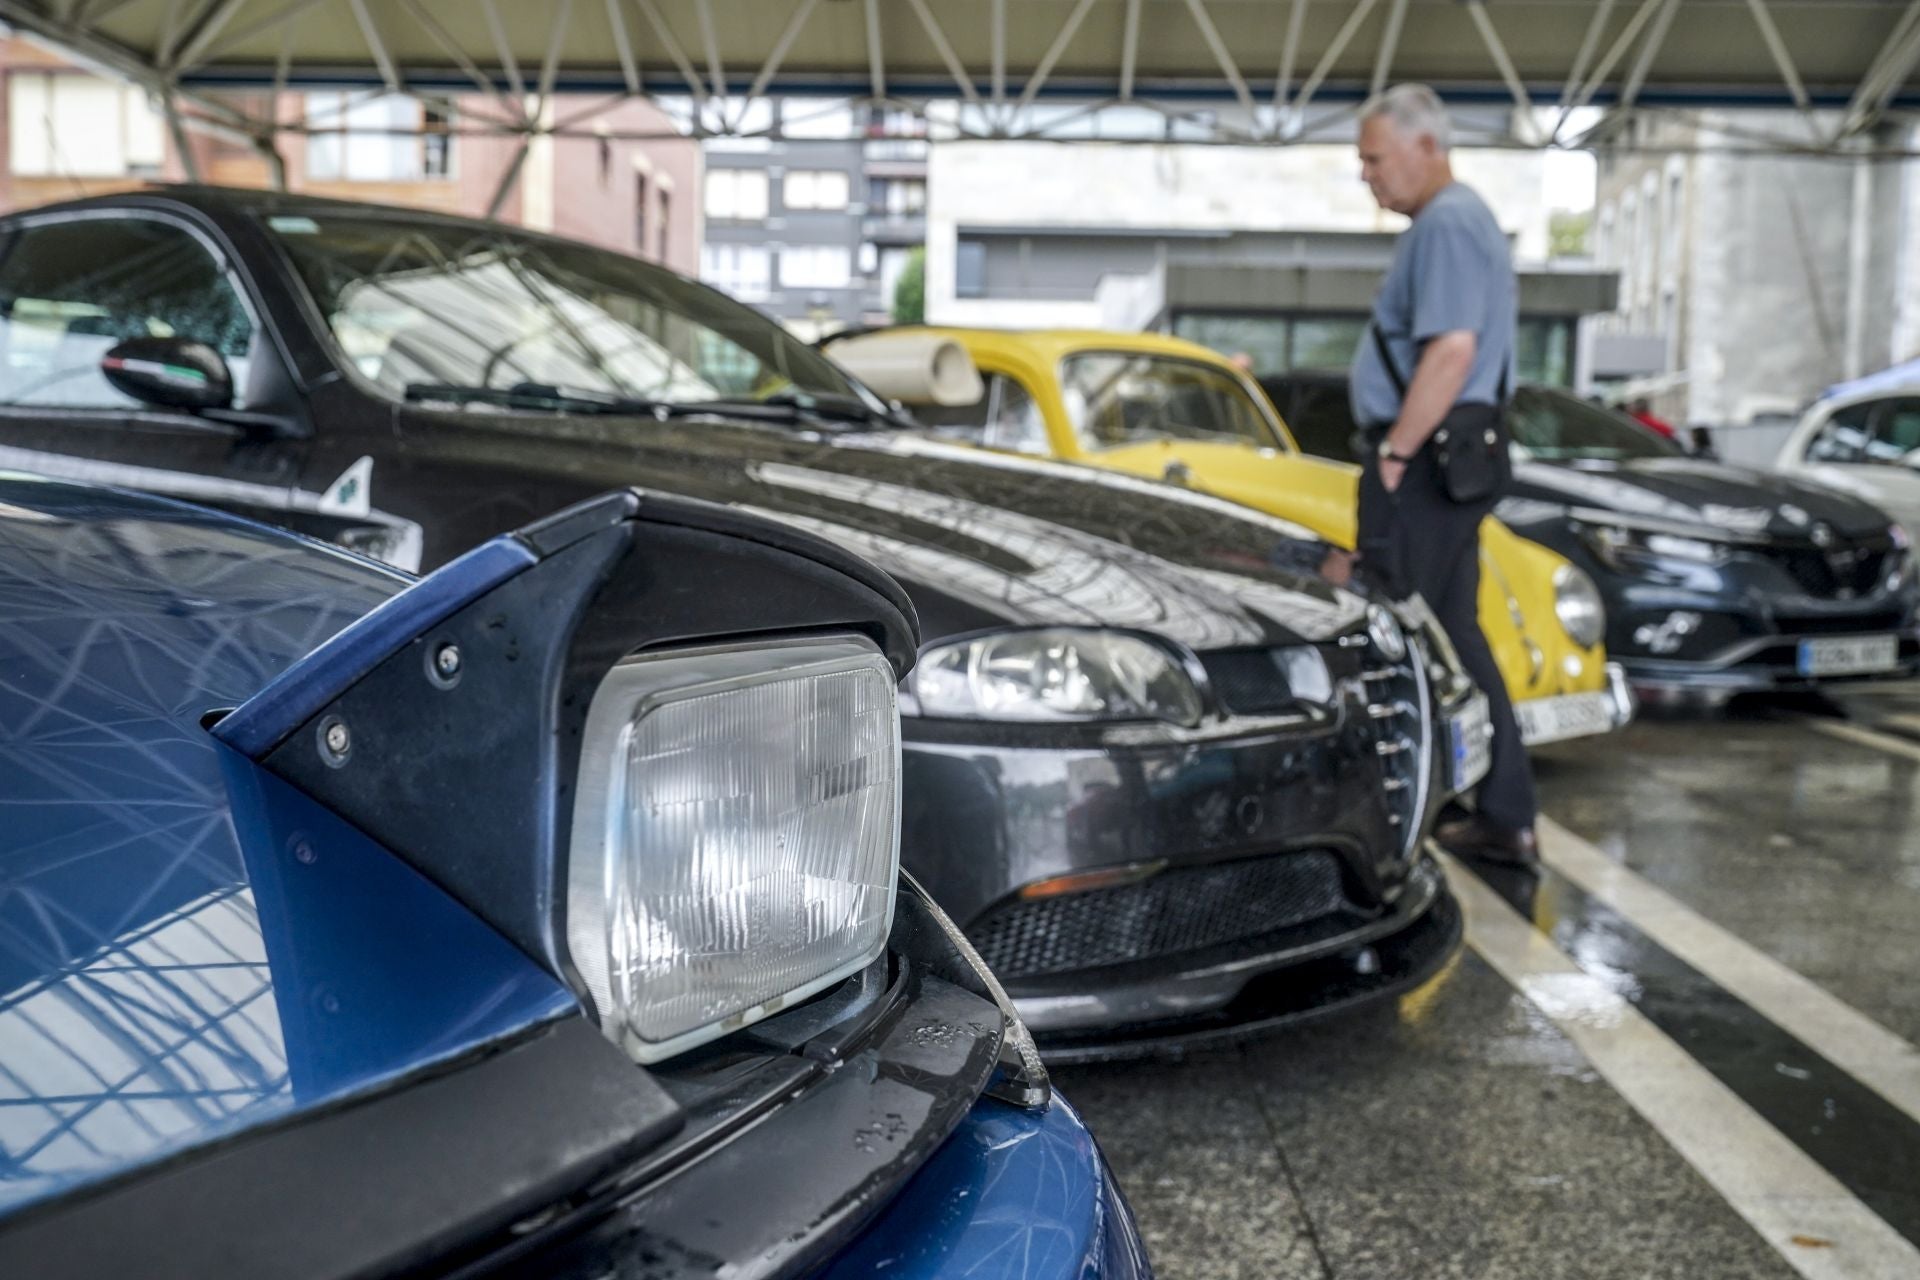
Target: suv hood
{"points": [[978, 539], [1714, 495], [165, 979]]}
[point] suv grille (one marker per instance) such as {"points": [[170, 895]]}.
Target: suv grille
{"points": [[1179, 910], [1843, 571]]}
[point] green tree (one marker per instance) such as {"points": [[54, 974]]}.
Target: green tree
{"points": [[1567, 233], [910, 291]]}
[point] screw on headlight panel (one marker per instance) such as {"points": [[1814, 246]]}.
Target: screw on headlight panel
{"points": [[444, 664], [335, 741]]}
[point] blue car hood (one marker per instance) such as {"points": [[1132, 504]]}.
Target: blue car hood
{"points": [[188, 947]]}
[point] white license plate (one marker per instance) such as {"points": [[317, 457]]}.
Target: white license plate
{"points": [[1848, 655], [1468, 734], [1569, 715]]}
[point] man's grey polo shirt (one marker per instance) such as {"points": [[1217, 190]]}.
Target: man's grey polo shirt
{"points": [[1451, 270]]}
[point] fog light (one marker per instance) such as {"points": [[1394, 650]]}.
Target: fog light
{"points": [[1669, 634], [736, 836]]}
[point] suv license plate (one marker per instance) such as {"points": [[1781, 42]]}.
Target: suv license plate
{"points": [[1848, 655]]}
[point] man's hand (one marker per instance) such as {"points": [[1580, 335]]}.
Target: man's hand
{"points": [[1391, 473]]}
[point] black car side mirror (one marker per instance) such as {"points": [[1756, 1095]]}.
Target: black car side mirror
{"points": [[175, 373]]}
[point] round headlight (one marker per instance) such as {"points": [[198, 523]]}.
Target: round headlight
{"points": [[1384, 629], [1577, 603]]}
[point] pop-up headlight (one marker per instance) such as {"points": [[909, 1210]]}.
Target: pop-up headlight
{"points": [[736, 835]]}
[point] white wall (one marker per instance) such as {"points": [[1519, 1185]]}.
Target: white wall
{"points": [[1097, 186]]}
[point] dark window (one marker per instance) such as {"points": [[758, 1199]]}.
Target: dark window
{"points": [[666, 222], [1883, 431], [970, 269], [1321, 419], [1555, 426], [71, 290]]}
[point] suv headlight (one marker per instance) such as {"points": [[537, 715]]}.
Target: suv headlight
{"points": [[1055, 674], [736, 835], [1628, 549], [1577, 603]]}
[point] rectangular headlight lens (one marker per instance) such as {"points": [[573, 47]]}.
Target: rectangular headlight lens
{"points": [[736, 835]]}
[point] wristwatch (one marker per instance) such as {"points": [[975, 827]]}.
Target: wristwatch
{"points": [[1388, 455]]}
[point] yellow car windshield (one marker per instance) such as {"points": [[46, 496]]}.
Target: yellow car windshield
{"points": [[1114, 399]]}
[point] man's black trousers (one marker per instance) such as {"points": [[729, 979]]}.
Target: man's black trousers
{"points": [[1418, 539]]}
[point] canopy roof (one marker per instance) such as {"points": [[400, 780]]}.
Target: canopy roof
{"points": [[1269, 60]]}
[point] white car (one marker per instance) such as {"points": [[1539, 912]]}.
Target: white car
{"points": [[1866, 444]]}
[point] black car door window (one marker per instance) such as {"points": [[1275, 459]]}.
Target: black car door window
{"points": [[1322, 420], [71, 290]]}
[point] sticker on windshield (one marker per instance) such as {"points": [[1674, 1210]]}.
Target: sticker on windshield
{"points": [[352, 493], [291, 226]]}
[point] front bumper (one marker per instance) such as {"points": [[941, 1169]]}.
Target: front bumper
{"points": [[1238, 991], [1021, 1194], [1578, 715], [1762, 664]]}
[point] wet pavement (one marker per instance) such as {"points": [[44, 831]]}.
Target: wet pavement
{"points": [[1461, 1132]]}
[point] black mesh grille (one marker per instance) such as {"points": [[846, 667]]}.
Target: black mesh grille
{"points": [[1248, 682], [1180, 910], [1853, 570]]}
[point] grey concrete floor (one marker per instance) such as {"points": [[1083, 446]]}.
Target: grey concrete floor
{"points": [[1458, 1132]]}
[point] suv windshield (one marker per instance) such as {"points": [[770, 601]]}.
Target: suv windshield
{"points": [[1556, 427], [432, 307], [1115, 399]]}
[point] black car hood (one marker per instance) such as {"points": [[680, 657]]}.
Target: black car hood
{"points": [[1715, 495], [980, 539]]}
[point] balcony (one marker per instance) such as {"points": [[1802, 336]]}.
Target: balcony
{"points": [[887, 228]]}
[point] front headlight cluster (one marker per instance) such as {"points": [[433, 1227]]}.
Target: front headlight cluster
{"points": [[736, 835], [1055, 674], [1577, 603], [1628, 549]]}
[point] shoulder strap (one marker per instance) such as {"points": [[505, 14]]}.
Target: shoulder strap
{"points": [[1386, 358]]}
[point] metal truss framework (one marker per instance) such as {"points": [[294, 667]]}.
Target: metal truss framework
{"points": [[1523, 71]]}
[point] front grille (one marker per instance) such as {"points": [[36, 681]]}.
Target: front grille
{"points": [[1397, 720], [1876, 622], [1180, 910], [1838, 572], [1251, 682]]}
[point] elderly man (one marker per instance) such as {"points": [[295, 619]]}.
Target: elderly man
{"points": [[1429, 380]]}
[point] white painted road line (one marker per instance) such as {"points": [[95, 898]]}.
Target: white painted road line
{"points": [[1799, 1208], [1863, 736], [1844, 1036]]}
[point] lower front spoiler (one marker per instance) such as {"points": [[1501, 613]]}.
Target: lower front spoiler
{"points": [[1014, 1193], [1212, 1001], [1663, 682]]}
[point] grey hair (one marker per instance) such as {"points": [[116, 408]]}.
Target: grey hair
{"points": [[1414, 109]]}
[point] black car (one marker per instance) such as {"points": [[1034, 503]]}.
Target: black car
{"points": [[1717, 578], [1171, 783]]}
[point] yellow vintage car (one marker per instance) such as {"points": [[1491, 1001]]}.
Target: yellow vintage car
{"points": [[1168, 409]]}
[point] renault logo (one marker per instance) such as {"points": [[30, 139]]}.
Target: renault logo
{"points": [[1822, 535]]}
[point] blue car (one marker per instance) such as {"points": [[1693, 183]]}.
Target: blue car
{"points": [[542, 916]]}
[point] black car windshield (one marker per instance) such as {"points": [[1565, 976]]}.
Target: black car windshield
{"points": [[1120, 398], [1556, 427], [422, 306]]}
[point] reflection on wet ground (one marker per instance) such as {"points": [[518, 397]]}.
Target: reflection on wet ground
{"points": [[1460, 1133]]}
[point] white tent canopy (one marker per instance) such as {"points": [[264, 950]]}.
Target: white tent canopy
{"points": [[1267, 63]]}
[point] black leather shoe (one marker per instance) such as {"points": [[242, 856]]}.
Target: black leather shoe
{"points": [[1475, 837]]}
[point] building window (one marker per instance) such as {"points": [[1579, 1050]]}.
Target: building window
{"points": [[815, 266], [898, 197], [970, 269], [814, 189], [1676, 198], [392, 138], [80, 126], [743, 270], [666, 221], [605, 157], [736, 193]]}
